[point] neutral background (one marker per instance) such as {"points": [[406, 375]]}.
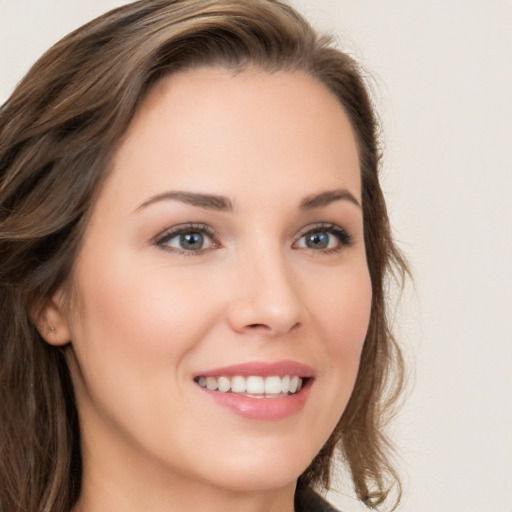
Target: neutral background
{"points": [[443, 81]]}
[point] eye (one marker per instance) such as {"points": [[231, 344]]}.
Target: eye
{"points": [[325, 237], [187, 239]]}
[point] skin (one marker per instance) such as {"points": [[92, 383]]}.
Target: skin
{"points": [[149, 316]]}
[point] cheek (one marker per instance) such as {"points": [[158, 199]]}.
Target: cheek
{"points": [[133, 339], [342, 316], [135, 323], [344, 312]]}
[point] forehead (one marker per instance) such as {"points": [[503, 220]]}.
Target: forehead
{"points": [[209, 129]]}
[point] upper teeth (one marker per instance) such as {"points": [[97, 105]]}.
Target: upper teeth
{"points": [[253, 384]]}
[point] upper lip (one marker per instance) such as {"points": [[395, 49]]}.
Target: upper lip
{"points": [[261, 368]]}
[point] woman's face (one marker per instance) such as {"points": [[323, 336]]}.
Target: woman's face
{"points": [[225, 250]]}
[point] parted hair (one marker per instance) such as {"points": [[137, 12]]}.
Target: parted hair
{"points": [[58, 133]]}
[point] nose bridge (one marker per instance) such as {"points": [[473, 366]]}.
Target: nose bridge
{"points": [[267, 297]]}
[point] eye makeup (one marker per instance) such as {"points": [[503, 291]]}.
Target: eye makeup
{"points": [[188, 239], [196, 238], [319, 238]]}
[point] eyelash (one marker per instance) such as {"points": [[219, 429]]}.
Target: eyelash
{"points": [[175, 231], [344, 239]]}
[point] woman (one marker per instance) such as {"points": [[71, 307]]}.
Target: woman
{"points": [[193, 251]]}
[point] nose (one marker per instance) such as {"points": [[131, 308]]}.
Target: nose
{"points": [[265, 298]]}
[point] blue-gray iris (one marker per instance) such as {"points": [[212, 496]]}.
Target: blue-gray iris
{"points": [[192, 240], [319, 240]]}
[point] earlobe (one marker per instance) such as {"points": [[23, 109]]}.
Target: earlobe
{"points": [[52, 323]]}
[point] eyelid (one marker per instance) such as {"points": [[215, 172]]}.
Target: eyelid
{"points": [[345, 239], [171, 232]]}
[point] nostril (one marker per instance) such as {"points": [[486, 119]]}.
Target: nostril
{"points": [[269, 329], [262, 329], [258, 326]]}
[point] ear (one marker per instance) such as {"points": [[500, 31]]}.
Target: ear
{"points": [[52, 321]]}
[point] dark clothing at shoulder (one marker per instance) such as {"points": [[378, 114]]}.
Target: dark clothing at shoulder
{"points": [[307, 500]]}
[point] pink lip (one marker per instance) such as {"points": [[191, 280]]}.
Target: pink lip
{"points": [[266, 409], [264, 369]]}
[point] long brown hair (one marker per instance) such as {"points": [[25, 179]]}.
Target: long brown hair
{"points": [[58, 132]]}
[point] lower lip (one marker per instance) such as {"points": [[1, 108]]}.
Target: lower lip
{"points": [[267, 409]]}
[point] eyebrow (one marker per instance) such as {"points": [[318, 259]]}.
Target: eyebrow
{"points": [[207, 201], [328, 197], [222, 203]]}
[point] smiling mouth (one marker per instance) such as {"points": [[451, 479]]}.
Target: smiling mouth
{"points": [[254, 386]]}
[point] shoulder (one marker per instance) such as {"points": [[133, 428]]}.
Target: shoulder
{"points": [[307, 500]]}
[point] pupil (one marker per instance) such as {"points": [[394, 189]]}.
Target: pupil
{"points": [[318, 240], [192, 240]]}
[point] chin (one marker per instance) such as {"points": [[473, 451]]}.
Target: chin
{"points": [[262, 480], [265, 470]]}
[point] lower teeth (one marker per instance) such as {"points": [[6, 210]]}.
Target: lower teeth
{"points": [[254, 395]]}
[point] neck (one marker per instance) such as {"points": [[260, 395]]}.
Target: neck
{"points": [[112, 494]]}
